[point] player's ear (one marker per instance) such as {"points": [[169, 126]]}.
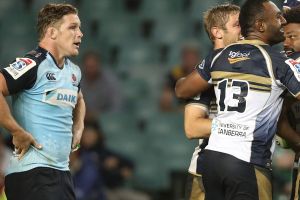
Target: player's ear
{"points": [[260, 26], [52, 32], [216, 32]]}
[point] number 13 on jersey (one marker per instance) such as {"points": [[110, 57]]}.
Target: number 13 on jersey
{"points": [[232, 95]]}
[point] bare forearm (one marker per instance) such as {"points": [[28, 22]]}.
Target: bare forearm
{"points": [[78, 115], [183, 90], [190, 86], [199, 128], [6, 119], [196, 123]]}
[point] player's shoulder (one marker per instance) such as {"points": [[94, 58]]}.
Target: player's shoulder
{"points": [[75, 70], [74, 67], [206, 62], [23, 64], [277, 56], [72, 64]]}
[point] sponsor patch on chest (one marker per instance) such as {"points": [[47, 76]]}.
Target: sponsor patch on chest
{"points": [[61, 97]]}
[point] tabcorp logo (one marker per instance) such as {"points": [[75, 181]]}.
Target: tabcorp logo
{"points": [[238, 56]]}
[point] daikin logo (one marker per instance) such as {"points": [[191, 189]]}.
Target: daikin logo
{"points": [[61, 97], [66, 98]]}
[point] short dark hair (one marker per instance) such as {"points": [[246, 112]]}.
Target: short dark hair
{"points": [[292, 15], [251, 10], [51, 14]]}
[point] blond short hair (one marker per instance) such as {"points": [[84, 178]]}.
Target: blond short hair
{"points": [[218, 16]]}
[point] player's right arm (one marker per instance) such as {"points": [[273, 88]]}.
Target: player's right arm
{"points": [[21, 139], [198, 80], [190, 85]]}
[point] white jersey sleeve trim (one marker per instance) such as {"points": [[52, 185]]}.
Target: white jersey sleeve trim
{"points": [[269, 65], [200, 106]]}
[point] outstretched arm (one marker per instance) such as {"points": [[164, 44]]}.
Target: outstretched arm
{"points": [[191, 85]]}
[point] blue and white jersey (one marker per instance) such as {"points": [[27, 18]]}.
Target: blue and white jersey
{"points": [[43, 99], [249, 78]]}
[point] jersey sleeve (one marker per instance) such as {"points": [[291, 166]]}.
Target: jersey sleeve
{"points": [[204, 67], [204, 99], [287, 71], [20, 75]]}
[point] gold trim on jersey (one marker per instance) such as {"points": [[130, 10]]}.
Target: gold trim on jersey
{"points": [[195, 174], [263, 185], [252, 42], [297, 95], [258, 83], [197, 190], [235, 60]]}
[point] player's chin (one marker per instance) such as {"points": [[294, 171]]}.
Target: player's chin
{"points": [[75, 52]]}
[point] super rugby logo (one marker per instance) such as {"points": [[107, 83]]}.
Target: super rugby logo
{"points": [[295, 66], [235, 57], [20, 67]]}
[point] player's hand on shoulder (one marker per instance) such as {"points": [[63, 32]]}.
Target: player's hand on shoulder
{"points": [[22, 141]]}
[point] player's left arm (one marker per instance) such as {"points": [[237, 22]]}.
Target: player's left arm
{"points": [[78, 121]]}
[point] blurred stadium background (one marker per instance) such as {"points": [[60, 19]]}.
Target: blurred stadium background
{"points": [[139, 41]]}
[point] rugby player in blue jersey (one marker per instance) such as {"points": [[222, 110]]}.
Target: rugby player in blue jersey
{"points": [[48, 109]]}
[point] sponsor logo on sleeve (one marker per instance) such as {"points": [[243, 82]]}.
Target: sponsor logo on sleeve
{"points": [[238, 56], [295, 66], [20, 67]]}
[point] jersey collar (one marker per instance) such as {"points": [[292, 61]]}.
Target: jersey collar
{"points": [[253, 42], [48, 52]]}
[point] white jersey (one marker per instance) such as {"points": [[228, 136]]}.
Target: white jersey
{"points": [[249, 78]]}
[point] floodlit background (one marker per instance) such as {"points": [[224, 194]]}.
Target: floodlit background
{"points": [[136, 49]]}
